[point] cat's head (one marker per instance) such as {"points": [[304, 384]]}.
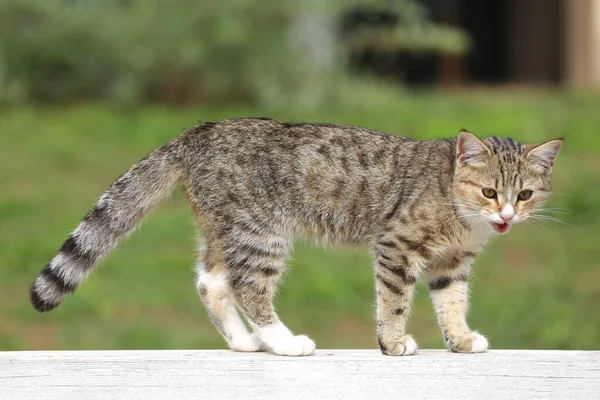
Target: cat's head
{"points": [[499, 182]]}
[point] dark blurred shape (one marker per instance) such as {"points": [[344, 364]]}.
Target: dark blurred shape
{"points": [[516, 41], [532, 42], [411, 63], [486, 22]]}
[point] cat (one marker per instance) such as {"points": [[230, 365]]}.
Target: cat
{"points": [[256, 184]]}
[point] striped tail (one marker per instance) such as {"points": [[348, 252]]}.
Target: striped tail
{"points": [[118, 212]]}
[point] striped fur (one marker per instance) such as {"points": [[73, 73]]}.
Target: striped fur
{"points": [[255, 185], [116, 214]]}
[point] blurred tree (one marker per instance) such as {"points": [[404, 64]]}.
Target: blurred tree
{"points": [[277, 54]]}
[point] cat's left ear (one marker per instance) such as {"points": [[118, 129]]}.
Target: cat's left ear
{"points": [[542, 155]]}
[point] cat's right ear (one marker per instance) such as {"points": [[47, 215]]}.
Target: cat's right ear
{"points": [[470, 150]]}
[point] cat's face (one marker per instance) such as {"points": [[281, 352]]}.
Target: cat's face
{"points": [[499, 182]]}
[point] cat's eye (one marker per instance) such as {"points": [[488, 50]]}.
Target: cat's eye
{"points": [[489, 193], [525, 195]]}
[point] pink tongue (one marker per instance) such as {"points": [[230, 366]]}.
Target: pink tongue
{"points": [[500, 227]]}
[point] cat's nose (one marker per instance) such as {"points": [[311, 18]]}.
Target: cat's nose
{"points": [[507, 213]]}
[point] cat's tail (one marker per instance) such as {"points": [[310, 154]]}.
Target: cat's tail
{"points": [[116, 214]]}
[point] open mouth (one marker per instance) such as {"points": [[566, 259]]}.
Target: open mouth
{"points": [[500, 228]]}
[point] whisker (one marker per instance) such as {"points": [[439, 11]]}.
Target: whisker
{"points": [[559, 193], [545, 218], [551, 211], [532, 223]]}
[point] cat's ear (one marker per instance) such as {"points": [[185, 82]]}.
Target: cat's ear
{"points": [[470, 150], [542, 155]]}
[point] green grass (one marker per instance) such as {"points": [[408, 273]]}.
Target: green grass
{"points": [[534, 288]]}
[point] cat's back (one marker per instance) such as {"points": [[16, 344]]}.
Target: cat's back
{"points": [[262, 148], [274, 135], [280, 165]]}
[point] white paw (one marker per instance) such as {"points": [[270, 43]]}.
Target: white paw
{"points": [[410, 347], [300, 345], [246, 343], [480, 343], [405, 346]]}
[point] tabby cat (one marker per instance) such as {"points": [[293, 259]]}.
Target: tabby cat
{"points": [[257, 184]]}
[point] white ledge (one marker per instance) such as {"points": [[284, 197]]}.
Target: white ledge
{"points": [[329, 374]]}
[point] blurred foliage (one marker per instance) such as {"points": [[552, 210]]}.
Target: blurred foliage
{"points": [[274, 54], [413, 37], [406, 25], [534, 288]]}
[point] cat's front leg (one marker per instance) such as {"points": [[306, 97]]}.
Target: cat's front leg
{"points": [[396, 274], [449, 291]]}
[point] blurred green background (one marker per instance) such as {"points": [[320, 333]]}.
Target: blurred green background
{"points": [[86, 90]]}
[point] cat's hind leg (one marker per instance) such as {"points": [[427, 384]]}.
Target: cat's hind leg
{"points": [[397, 271], [217, 296], [254, 270]]}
